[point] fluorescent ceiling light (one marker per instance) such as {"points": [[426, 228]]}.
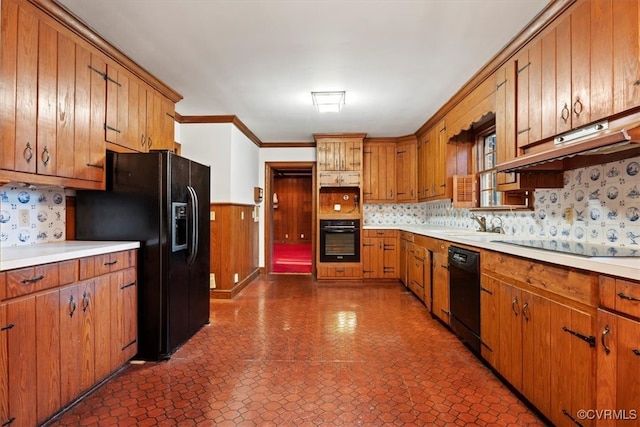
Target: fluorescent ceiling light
{"points": [[328, 102]]}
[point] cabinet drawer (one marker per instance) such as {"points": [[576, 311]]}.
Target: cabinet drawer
{"points": [[620, 295], [27, 280], [106, 263], [339, 272], [405, 235], [380, 233]]}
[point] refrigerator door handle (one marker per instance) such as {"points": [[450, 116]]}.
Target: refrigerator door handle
{"points": [[194, 225]]}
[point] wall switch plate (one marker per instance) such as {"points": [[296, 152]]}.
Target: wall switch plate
{"points": [[212, 216], [23, 218], [568, 215], [235, 278], [212, 280], [242, 215]]}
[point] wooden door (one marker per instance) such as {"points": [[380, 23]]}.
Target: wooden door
{"points": [[379, 172], [4, 373], [490, 320], [510, 353], [19, 74], [350, 155], [46, 153], [572, 364], [102, 312], [548, 102], [440, 283], [618, 361], [406, 176], [626, 55], [22, 351], [522, 99], [371, 257], [65, 106], [117, 108], [390, 257], [580, 102], [536, 351], [48, 344]]}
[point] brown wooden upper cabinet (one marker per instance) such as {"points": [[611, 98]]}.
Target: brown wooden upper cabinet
{"points": [[379, 171], [406, 165], [583, 68], [432, 174], [339, 152]]}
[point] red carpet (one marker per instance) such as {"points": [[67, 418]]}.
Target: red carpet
{"points": [[292, 258]]}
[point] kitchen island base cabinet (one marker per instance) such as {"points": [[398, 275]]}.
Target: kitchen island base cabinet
{"points": [[58, 342]]}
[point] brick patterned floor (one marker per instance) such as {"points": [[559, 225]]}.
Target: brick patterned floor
{"points": [[292, 352]]}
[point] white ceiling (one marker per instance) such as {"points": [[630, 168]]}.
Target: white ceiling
{"points": [[398, 60]]}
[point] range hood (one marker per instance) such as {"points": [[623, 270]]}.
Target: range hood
{"points": [[598, 139]]}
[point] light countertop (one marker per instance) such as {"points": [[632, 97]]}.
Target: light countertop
{"points": [[30, 255], [626, 267]]}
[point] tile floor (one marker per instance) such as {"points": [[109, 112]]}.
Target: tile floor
{"points": [[288, 351]]}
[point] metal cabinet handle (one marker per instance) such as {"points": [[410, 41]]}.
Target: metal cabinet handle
{"points": [[564, 115], [577, 107], [33, 280], [85, 301], [28, 153], [142, 140], [111, 262], [45, 157], [636, 351], [525, 311], [514, 306], [605, 332], [149, 142], [72, 306], [9, 421], [627, 297]]}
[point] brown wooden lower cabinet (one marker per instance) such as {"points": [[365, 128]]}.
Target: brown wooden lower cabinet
{"points": [[58, 342], [419, 274], [440, 281], [618, 368], [339, 271], [380, 254], [544, 348]]}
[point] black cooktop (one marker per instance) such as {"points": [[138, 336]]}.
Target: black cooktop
{"points": [[576, 248]]}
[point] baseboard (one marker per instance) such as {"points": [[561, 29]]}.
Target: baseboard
{"points": [[231, 293]]}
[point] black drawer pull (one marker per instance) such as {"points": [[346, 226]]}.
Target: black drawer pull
{"points": [[636, 352], [111, 262], [107, 127], [5, 328], [128, 286], [591, 340], [486, 290], [34, 280], [627, 297], [95, 165]]}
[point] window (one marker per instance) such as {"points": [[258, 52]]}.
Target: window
{"points": [[486, 166]]}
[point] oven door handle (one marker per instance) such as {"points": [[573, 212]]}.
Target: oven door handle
{"points": [[339, 230]]}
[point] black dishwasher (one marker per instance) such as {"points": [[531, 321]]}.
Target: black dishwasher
{"points": [[464, 294]]}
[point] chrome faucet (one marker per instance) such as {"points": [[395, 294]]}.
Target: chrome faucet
{"points": [[498, 228], [480, 220]]}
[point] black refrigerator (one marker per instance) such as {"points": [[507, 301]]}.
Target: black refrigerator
{"points": [[161, 200]]}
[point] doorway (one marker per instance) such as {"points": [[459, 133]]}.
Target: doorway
{"points": [[290, 213]]}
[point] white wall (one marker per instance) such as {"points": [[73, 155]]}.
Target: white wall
{"points": [[277, 155], [244, 168]]}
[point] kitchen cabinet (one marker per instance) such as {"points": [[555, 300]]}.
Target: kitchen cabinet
{"points": [[339, 153], [5, 417], [339, 271], [542, 343], [406, 239], [339, 179], [618, 358], [419, 273], [431, 154], [52, 112], [440, 281], [406, 164], [380, 254], [59, 332], [379, 172]]}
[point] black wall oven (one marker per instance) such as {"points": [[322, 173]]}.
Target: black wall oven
{"points": [[339, 240]]}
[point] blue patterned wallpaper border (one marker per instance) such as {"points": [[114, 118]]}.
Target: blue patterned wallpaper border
{"points": [[31, 215], [604, 202]]}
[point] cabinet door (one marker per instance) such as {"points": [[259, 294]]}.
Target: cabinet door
{"points": [[618, 361], [422, 166], [510, 356], [329, 179], [417, 267], [371, 257], [579, 104], [127, 320], [48, 344], [626, 55], [439, 161], [536, 351], [117, 108], [46, 153], [4, 373], [22, 351], [19, 74], [406, 177], [440, 283], [351, 156], [379, 172], [390, 257], [403, 259], [102, 311], [490, 320], [572, 364]]}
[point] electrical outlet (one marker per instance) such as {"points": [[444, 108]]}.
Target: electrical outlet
{"points": [[23, 218], [568, 215], [212, 280], [235, 278], [286, 236], [242, 215], [302, 236], [212, 216]]}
